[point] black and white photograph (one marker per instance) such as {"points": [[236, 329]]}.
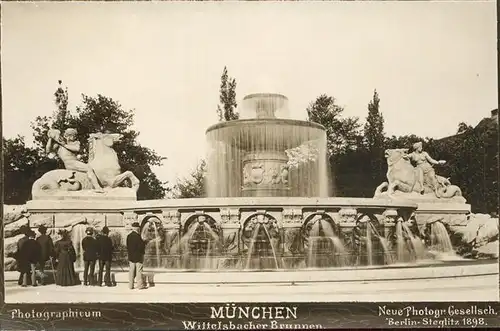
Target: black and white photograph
{"points": [[247, 158]]}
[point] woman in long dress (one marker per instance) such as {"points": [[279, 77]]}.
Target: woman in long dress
{"points": [[66, 256]]}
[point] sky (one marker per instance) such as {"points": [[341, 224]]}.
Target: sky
{"points": [[434, 64]]}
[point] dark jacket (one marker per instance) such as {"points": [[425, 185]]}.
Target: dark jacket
{"points": [[18, 255], [46, 246], [105, 248], [31, 251], [90, 248], [135, 247]]}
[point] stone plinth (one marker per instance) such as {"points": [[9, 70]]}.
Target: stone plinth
{"points": [[265, 174], [447, 213], [118, 193]]}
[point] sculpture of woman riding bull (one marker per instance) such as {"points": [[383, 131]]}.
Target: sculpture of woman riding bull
{"points": [[404, 177], [100, 174]]}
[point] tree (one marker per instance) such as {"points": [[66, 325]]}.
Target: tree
{"points": [[22, 166], [463, 127], [99, 114], [374, 126], [192, 186], [61, 101], [472, 163], [405, 141], [226, 110], [343, 138], [374, 140], [342, 133]]}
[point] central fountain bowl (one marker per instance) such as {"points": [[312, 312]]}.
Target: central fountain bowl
{"points": [[267, 156], [265, 105]]}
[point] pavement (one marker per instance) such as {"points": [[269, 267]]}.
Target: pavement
{"points": [[463, 282]]}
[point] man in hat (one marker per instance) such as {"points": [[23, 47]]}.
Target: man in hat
{"points": [[105, 256], [31, 250], [135, 249], [46, 249], [21, 259], [90, 252]]}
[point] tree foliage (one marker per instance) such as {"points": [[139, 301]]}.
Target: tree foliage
{"points": [[374, 126], [342, 133], [343, 138], [22, 166], [226, 110], [405, 141], [374, 140], [472, 163], [192, 186], [463, 127], [61, 101]]}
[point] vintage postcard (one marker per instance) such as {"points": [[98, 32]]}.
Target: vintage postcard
{"points": [[249, 165]]}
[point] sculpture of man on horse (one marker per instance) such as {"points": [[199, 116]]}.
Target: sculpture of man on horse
{"points": [[100, 174], [67, 150]]}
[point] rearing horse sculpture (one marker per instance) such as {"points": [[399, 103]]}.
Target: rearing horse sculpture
{"points": [[104, 161]]}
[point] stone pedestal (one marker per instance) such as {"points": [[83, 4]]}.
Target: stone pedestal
{"points": [[448, 213], [265, 174]]}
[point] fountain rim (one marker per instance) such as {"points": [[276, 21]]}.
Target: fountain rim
{"points": [[223, 202], [278, 121]]}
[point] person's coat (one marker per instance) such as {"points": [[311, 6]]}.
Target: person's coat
{"points": [[31, 251], [46, 247], [90, 248], [21, 256], [135, 247], [105, 248]]}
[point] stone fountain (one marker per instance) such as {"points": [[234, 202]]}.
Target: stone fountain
{"points": [[265, 156], [267, 206]]}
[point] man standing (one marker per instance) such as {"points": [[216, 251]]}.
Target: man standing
{"points": [[46, 250], [90, 249], [105, 256], [135, 249], [31, 249], [21, 259]]}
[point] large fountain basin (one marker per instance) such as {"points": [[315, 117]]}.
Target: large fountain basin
{"points": [[241, 233]]}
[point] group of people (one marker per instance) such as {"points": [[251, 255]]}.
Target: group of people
{"points": [[33, 253]]}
